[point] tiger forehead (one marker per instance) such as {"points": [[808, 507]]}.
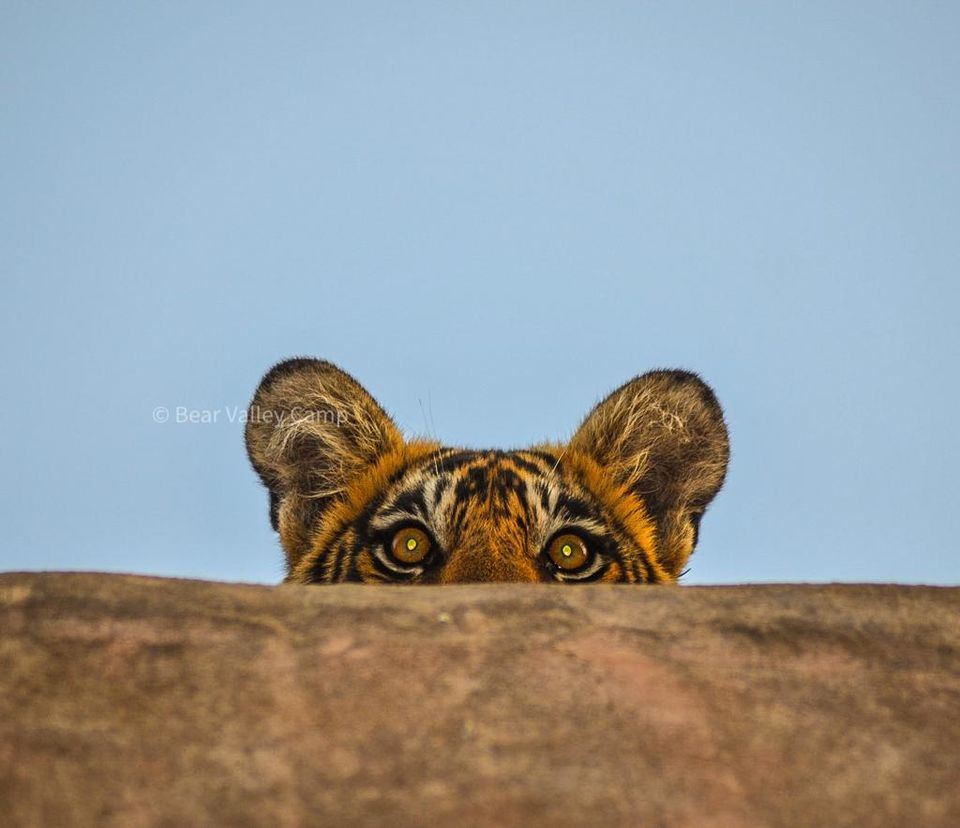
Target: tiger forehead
{"points": [[456, 487], [495, 473], [450, 476]]}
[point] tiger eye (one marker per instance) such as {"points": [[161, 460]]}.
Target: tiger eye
{"points": [[568, 552], [410, 545]]}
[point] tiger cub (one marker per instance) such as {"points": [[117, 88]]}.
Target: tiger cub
{"points": [[354, 501]]}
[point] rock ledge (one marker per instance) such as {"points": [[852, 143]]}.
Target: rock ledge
{"points": [[127, 700]]}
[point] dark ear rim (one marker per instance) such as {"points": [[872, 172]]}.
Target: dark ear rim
{"points": [[289, 366], [276, 372], [681, 376], [711, 404]]}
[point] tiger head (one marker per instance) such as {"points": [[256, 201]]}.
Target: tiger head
{"points": [[354, 501]]}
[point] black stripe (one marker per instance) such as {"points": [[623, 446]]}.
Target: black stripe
{"points": [[647, 566], [411, 501], [529, 466], [352, 575], [393, 574], [441, 488], [577, 507], [457, 459], [473, 482], [547, 456], [346, 557], [545, 497]]}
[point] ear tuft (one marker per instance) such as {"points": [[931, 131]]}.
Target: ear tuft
{"points": [[662, 435]]}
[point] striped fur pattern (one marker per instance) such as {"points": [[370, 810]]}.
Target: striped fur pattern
{"points": [[631, 485]]}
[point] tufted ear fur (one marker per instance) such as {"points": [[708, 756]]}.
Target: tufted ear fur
{"points": [[310, 429], [663, 435]]}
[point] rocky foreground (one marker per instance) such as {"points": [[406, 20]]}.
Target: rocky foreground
{"points": [[145, 701]]}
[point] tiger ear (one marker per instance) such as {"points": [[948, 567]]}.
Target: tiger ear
{"points": [[663, 436], [310, 429]]}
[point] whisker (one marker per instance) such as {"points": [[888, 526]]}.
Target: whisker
{"points": [[559, 458]]}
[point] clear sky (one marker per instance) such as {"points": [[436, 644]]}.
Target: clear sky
{"points": [[491, 214]]}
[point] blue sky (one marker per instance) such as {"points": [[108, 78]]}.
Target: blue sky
{"points": [[491, 214]]}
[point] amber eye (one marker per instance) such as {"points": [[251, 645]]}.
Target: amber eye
{"points": [[410, 545], [568, 552]]}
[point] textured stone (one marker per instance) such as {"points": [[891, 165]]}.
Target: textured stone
{"points": [[143, 701]]}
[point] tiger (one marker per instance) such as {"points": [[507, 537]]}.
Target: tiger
{"points": [[353, 501]]}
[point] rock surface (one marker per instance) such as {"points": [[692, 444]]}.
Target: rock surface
{"points": [[144, 701]]}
